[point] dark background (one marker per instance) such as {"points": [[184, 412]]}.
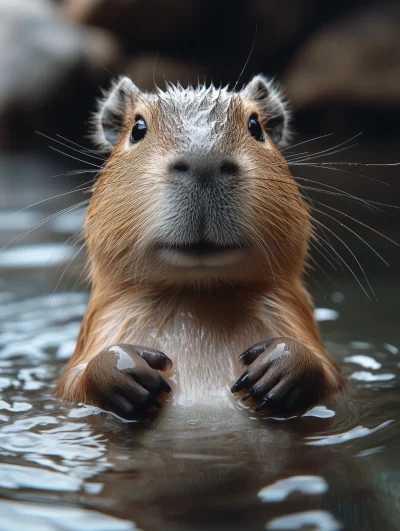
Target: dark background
{"points": [[339, 61]]}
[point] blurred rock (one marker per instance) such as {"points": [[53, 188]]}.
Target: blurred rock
{"points": [[355, 61], [281, 27], [140, 24], [43, 61], [34, 61], [150, 69], [56, 53]]}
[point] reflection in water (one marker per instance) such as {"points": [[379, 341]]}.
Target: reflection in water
{"points": [[321, 412], [365, 361], [326, 314], [71, 468], [320, 520], [48, 517], [44, 255], [391, 348], [355, 433], [366, 376], [282, 488], [318, 470]]}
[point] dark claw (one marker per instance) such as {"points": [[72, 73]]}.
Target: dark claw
{"points": [[165, 386], [122, 407], [243, 381], [152, 401], [157, 360], [246, 397], [266, 403], [253, 352]]}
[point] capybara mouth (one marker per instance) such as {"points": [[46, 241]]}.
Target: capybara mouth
{"points": [[202, 248]]}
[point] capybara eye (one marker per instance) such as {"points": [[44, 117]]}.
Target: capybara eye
{"points": [[255, 128], [139, 130]]}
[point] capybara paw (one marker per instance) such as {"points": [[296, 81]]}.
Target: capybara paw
{"points": [[124, 379], [283, 375]]}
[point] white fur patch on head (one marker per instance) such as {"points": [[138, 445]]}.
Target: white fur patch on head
{"points": [[196, 115], [109, 120], [275, 112]]}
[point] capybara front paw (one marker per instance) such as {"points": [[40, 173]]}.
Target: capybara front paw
{"points": [[283, 375], [124, 379]]}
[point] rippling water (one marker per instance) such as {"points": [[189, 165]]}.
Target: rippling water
{"points": [[75, 468]]}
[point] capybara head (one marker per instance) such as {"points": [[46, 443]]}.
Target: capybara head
{"points": [[196, 189]]}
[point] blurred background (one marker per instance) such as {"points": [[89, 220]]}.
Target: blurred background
{"points": [[338, 62]]}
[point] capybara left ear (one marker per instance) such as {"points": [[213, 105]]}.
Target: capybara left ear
{"points": [[110, 118], [274, 112]]}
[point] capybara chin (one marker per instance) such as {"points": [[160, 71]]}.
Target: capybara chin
{"points": [[197, 240]]}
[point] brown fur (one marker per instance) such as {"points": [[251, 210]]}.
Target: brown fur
{"points": [[201, 321]]}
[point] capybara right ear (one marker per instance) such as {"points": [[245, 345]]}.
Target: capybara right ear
{"points": [[274, 112], [112, 111]]}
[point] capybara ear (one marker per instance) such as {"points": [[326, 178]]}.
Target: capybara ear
{"points": [[112, 113], [274, 112]]}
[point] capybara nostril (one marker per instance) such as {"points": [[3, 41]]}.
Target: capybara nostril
{"points": [[229, 168], [180, 166]]}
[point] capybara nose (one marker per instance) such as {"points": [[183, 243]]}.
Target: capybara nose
{"points": [[204, 169]]}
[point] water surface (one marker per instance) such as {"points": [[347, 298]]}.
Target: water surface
{"points": [[76, 468]]}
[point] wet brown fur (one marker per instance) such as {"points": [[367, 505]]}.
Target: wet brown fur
{"points": [[135, 298]]}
